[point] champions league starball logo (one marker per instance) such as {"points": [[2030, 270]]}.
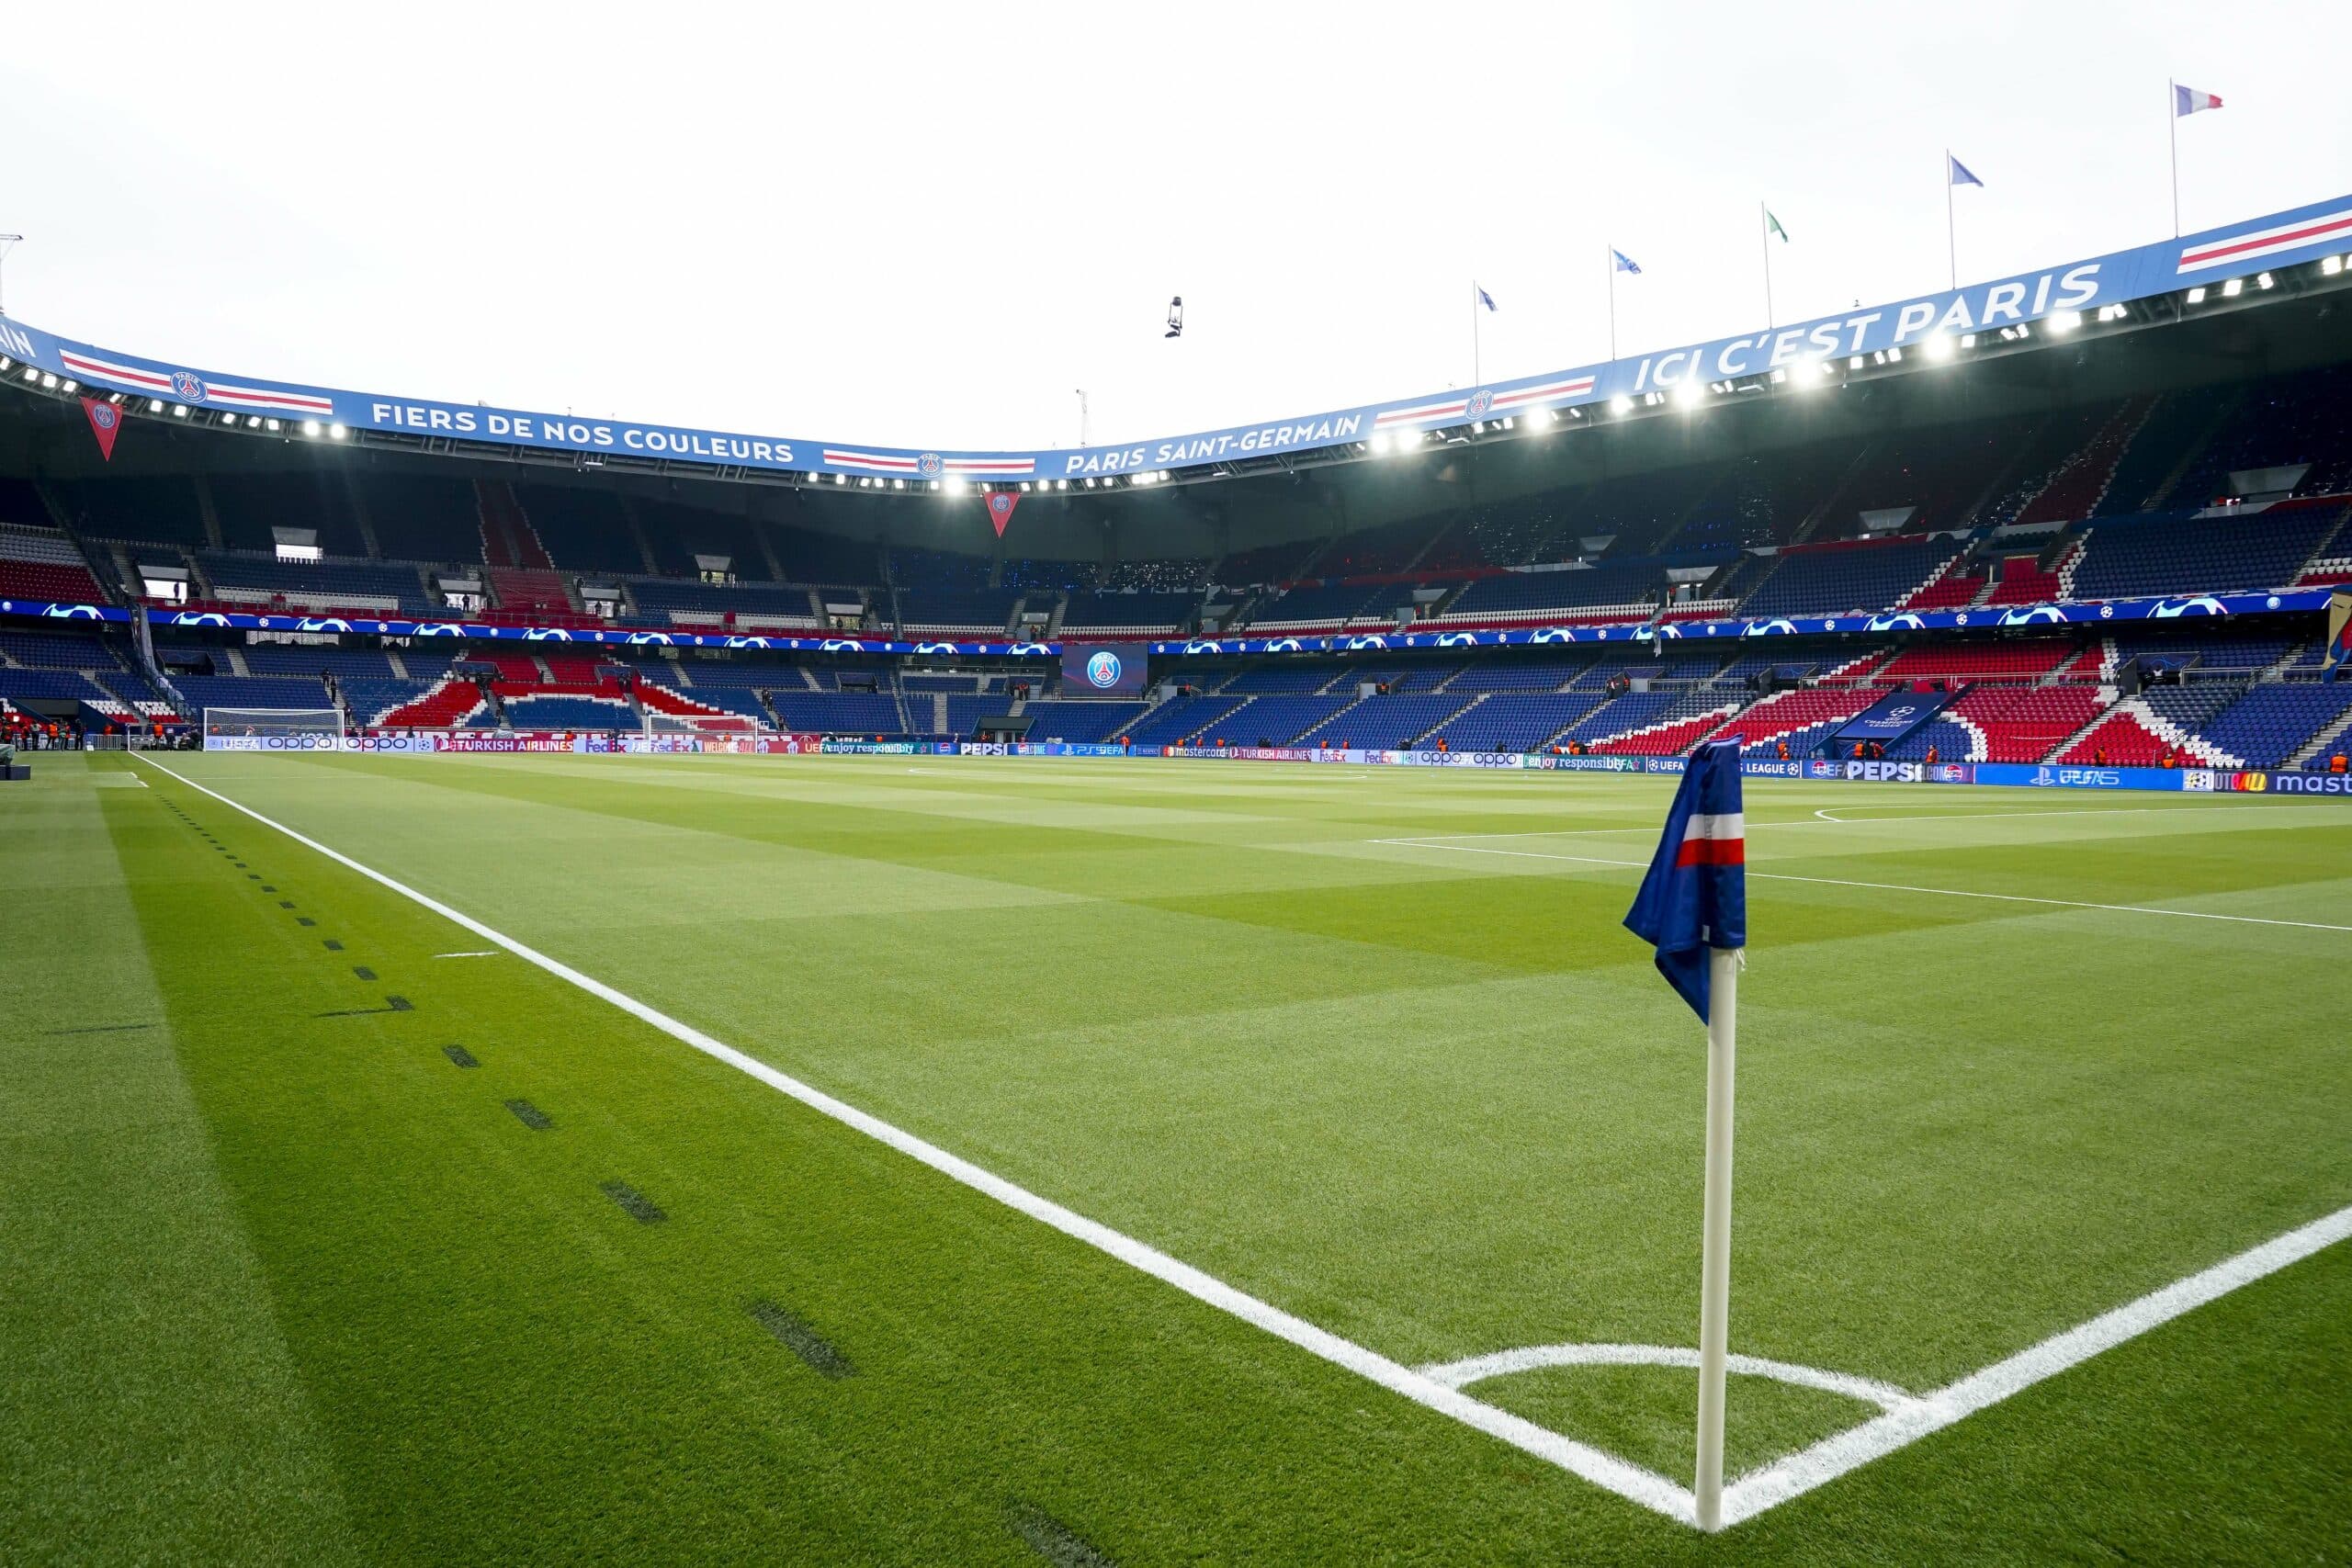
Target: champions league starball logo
{"points": [[184, 383], [929, 466], [1103, 669]]}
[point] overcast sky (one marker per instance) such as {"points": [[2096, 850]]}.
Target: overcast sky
{"points": [[927, 225]]}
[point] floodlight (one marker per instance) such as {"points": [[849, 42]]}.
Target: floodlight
{"points": [[2233, 289], [2063, 321], [1937, 346], [2197, 295], [1620, 405]]}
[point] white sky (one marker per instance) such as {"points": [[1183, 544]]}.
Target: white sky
{"points": [[926, 225]]}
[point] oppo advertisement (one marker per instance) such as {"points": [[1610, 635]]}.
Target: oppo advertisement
{"points": [[1104, 669]]}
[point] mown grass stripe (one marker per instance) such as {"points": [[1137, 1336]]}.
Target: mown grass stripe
{"points": [[797, 1336], [635, 1204], [1054, 1540], [530, 1115], [459, 1055]]}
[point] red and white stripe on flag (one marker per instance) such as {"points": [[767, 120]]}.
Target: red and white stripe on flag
{"points": [[2189, 100], [1719, 840]]}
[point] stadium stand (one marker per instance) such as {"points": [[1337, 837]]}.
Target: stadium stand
{"points": [[1836, 579], [2197, 555], [42, 564]]}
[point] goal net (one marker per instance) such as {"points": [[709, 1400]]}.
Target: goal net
{"points": [[273, 729]]}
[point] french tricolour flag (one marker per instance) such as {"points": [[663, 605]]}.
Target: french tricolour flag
{"points": [[2189, 100], [1695, 895]]}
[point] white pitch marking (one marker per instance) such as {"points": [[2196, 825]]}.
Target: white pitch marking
{"points": [[1833, 1456], [1888, 886], [1629, 1481], [492, 954], [1505, 1363]]}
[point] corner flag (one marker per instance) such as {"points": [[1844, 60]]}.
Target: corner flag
{"points": [[1695, 895], [1693, 907]]}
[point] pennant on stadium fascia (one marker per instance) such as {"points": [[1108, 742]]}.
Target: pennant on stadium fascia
{"points": [[2189, 100], [1000, 505], [1692, 908], [1959, 172], [105, 423]]}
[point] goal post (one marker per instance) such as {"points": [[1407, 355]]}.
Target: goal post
{"points": [[273, 729]]}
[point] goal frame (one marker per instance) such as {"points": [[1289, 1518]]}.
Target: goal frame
{"points": [[273, 729]]}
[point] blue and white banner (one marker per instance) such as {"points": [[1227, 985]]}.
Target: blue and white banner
{"points": [[1894, 715], [2279, 241]]}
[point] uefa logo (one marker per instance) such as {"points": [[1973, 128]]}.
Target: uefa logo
{"points": [[1103, 669], [929, 466], [1480, 402], [184, 383]]}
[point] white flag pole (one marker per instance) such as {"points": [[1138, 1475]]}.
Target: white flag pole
{"points": [[1952, 231], [2172, 133], [1764, 233], [1714, 1256]]}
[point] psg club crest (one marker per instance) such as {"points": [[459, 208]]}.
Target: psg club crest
{"points": [[929, 466], [105, 423], [1480, 402], [104, 416], [1103, 669], [1000, 505], [184, 383]]}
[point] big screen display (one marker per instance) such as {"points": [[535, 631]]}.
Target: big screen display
{"points": [[1104, 669]]}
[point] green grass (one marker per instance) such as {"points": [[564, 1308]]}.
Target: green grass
{"points": [[292, 1285]]}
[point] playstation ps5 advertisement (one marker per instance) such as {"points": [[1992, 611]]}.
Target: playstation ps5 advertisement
{"points": [[1104, 669]]}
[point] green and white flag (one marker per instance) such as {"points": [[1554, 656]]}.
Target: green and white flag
{"points": [[1772, 226]]}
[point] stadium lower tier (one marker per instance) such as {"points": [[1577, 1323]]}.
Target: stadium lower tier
{"points": [[2250, 698]]}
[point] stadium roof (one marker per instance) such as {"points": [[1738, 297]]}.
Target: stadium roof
{"points": [[2236, 268]]}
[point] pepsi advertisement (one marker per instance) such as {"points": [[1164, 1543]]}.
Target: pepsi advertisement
{"points": [[1104, 669]]}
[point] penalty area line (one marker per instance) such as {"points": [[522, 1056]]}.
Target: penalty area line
{"points": [[1629, 1481]]}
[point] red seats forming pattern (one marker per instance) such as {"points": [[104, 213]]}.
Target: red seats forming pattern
{"points": [[1949, 591], [2022, 582], [2025, 726], [48, 580], [2121, 741], [507, 537], [446, 707], [1665, 740], [573, 669], [2076, 490], [1983, 662], [1786, 713], [535, 593], [677, 704], [515, 669]]}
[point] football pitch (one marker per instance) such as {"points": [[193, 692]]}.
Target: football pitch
{"points": [[927, 1160]]}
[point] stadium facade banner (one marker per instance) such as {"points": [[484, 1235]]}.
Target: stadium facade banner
{"points": [[833, 748], [1069, 749], [2192, 606], [2007, 304]]}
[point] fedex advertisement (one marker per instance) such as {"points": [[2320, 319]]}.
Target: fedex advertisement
{"points": [[1104, 669]]}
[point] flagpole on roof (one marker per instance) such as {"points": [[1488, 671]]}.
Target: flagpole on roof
{"points": [[2172, 135], [1952, 235], [1477, 370], [1609, 270], [1764, 235]]}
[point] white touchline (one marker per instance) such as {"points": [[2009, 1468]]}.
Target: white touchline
{"points": [[1884, 886], [493, 954], [1751, 1494], [1629, 1481]]}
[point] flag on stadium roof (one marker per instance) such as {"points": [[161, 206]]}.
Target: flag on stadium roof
{"points": [[2189, 100], [1695, 895], [1485, 298], [1960, 172], [1000, 505], [105, 423], [1772, 225], [1625, 262]]}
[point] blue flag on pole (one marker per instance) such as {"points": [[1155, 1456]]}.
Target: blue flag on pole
{"points": [[1483, 298], [1959, 175], [1625, 262], [1695, 895]]}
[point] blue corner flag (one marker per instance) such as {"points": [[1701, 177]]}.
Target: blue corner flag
{"points": [[1959, 175], [1695, 895]]}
